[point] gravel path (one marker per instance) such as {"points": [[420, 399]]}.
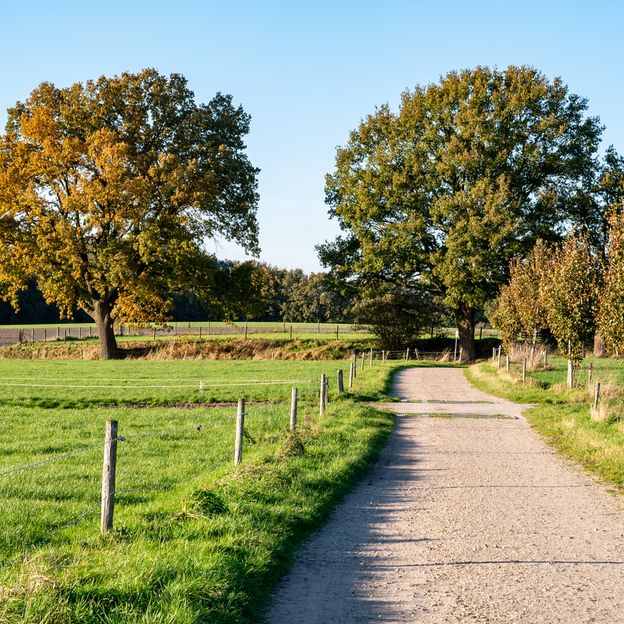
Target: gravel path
{"points": [[464, 519]]}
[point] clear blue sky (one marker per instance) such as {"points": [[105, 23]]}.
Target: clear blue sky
{"points": [[307, 72]]}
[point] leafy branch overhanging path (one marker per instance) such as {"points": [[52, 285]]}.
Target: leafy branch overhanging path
{"points": [[464, 519]]}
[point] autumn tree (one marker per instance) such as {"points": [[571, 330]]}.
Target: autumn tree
{"points": [[109, 188], [611, 307], [519, 306], [569, 295], [465, 176]]}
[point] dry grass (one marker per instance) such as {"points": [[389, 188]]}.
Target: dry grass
{"points": [[192, 349]]}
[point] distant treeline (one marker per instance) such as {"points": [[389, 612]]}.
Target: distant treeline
{"points": [[252, 291]]}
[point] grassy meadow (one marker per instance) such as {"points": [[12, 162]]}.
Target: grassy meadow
{"points": [[564, 416], [195, 539]]}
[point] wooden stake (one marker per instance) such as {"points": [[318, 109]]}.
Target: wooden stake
{"points": [[293, 409], [291, 333], [354, 366], [596, 395], [570, 374], [246, 329], [507, 363], [322, 394], [240, 429], [340, 384], [108, 476], [351, 374], [499, 356]]}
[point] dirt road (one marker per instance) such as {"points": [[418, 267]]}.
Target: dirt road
{"points": [[466, 518]]}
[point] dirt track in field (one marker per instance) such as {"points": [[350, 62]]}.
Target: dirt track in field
{"points": [[467, 517]]}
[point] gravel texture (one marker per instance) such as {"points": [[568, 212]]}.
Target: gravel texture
{"points": [[466, 518]]}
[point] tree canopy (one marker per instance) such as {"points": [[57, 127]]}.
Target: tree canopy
{"points": [[467, 175], [109, 188]]}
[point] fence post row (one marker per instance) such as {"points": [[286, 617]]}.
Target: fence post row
{"points": [[240, 428], [108, 476], [293, 409]]}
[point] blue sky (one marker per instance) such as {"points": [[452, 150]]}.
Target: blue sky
{"points": [[307, 72]]}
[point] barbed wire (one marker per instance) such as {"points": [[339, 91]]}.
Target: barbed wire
{"points": [[49, 460]]}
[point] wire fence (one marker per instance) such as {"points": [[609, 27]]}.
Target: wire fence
{"points": [[64, 489]]}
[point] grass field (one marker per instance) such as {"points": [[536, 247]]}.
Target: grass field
{"points": [[195, 539], [564, 416]]}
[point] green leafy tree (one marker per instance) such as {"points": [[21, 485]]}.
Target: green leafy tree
{"points": [[467, 175], [109, 188], [396, 315], [569, 294]]}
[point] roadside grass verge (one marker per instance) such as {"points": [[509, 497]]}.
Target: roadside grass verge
{"points": [[563, 416], [195, 539]]}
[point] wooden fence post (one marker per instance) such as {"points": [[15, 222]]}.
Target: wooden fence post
{"points": [[200, 332], [570, 380], [293, 409], [590, 373], [362, 367], [340, 382], [32, 335], [108, 476], [58, 333], [383, 357], [524, 368], [545, 358], [354, 366], [322, 394], [291, 333], [318, 327], [351, 374], [596, 395], [507, 363], [240, 429], [45, 335], [246, 329]]}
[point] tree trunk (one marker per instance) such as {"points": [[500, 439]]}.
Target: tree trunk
{"points": [[465, 318], [101, 314]]}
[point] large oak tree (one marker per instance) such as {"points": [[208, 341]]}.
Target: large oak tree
{"points": [[468, 174], [110, 188]]}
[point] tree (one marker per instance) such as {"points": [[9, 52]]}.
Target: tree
{"points": [[569, 295], [109, 188], [519, 306], [396, 315], [611, 308], [467, 175]]}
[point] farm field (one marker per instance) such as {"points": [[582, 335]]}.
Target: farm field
{"points": [[564, 415], [194, 538]]}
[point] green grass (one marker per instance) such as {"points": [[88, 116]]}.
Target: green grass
{"points": [[195, 539], [563, 416]]}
